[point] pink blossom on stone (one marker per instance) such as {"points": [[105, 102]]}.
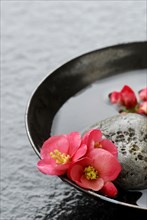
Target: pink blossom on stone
{"points": [[125, 97], [58, 152], [94, 171], [93, 139]]}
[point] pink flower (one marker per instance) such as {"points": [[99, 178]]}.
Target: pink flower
{"points": [[93, 139], [94, 171], [142, 108], [58, 152], [125, 97], [143, 94]]}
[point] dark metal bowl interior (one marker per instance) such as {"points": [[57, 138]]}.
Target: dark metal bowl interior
{"points": [[72, 77]]}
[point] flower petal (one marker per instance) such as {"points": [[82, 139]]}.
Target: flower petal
{"points": [[54, 143], [80, 152], [95, 185], [106, 164], [109, 146], [74, 172], [115, 98], [94, 136], [143, 94], [128, 97], [48, 168], [109, 189], [142, 108], [74, 139]]}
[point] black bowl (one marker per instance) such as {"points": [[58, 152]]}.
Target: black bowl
{"points": [[67, 81]]}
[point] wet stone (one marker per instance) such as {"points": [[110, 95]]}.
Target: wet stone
{"points": [[129, 133]]}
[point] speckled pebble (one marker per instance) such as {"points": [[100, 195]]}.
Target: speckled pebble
{"points": [[129, 133]]}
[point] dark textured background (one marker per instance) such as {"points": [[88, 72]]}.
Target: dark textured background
{"points": [[36, 38]]}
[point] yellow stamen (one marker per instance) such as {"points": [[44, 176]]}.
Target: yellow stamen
{"points": [[90, 173], [97, 145], [61, 158]]}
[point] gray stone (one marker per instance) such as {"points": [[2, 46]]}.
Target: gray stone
{"points": [[129, 134]]}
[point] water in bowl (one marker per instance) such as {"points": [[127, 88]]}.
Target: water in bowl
{"points": [[91, 105]]}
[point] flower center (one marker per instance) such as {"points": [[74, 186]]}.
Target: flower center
{"points": [[61, 158], [90, 173], [97, 145]]}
